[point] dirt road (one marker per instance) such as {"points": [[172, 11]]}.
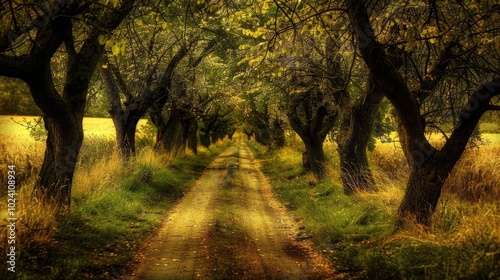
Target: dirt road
{"points": [[229, 226]]}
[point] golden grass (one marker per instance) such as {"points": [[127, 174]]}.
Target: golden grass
{"points": [[463, 241], [468, 207], [389, 162], [475, 177], [36, 224], [92, 127], [93, 179]]}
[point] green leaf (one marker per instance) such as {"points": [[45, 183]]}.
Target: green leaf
{"points": [[138, 22], [115, 50], [102, 38]]}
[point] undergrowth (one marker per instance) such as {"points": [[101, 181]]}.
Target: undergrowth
{"points": [[357, 232]]}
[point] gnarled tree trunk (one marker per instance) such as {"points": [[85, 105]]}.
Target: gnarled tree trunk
{"points": [[356, 125], [125, 120], [278, 139], [429, 167], [53, 186], [312, 127], [315, 156]]}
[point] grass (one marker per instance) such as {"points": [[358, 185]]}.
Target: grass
{"points": [[357, 232], [489, 127], [115, 207]]}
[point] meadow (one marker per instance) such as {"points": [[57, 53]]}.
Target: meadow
{"points": [[116, 206]]}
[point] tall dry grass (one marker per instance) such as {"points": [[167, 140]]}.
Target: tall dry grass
{"points": [[467, 216], [389, 162], [476, 176], [34, 224], [27, 156], [99, 170]]}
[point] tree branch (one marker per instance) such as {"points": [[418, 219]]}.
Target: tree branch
{"points": [[429, 83], [479, 103], [387, 78], [293, 116]]}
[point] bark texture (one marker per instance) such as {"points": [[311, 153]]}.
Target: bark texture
{"points": [[356, 124]]}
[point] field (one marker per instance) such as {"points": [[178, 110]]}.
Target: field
{"points": [[115, 205], [92, 127]]}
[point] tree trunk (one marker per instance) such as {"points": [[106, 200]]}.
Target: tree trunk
{"points": [[214, 137], [248, 133], [263, 136], [355, 172], [426, 182], [161, 94], [205, 139], [53, 185], [193, 137], [125, 135], [230, 133], [278, 137], [312, 128], [316, 157], [356, 130], [176, 134], [124, 119], [421, 197], [156, 116]]}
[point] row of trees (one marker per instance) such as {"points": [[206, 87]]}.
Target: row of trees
{"points": [[137, 48], [437, 63], [199, 70]]}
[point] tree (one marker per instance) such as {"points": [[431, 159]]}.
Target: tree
{"points": [[307, 55], [138, 71], [429, 166], [175, 114], [127, 114], [312, 116], [357, 118], [183, 108], [63, 112]]}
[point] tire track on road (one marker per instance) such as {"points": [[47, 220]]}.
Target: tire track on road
{"points": [[250, 236]]}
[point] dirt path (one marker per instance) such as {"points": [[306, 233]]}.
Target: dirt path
{"points": [[229, 226]]}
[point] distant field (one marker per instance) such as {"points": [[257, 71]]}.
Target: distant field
{"points": [[92, 126], [103, 127], [490, 139], [493, 138]]}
